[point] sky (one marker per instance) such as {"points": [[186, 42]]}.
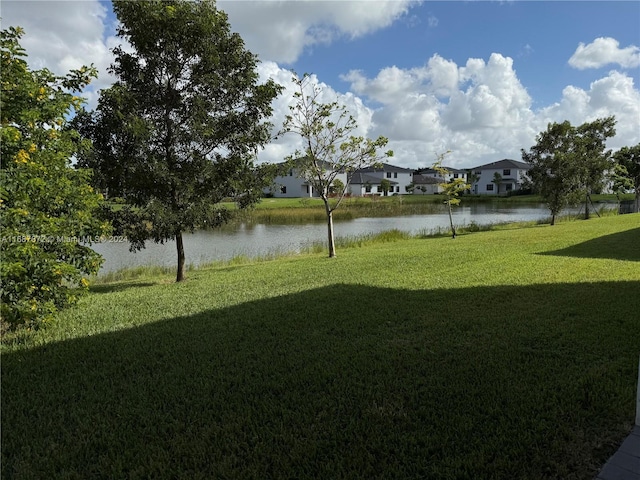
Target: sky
{"points": [[479, 79]]}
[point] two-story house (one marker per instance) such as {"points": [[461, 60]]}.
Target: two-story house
{"points": [[363, 184], [400, 180], [426, 180], [290, 184], [501, 177]]}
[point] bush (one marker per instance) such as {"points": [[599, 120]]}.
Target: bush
{"points": [[46, 206]]}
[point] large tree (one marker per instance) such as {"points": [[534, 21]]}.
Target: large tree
{"points": [[179, 130], [568, 163], [594, 160], [628, 161], [47, 208], [330, 148]]}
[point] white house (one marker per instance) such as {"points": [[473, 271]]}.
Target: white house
{"points": [[291, 185], [425, 185], [510, 177], [366, 181], [400, 179], [363, 184], [426, 180]]}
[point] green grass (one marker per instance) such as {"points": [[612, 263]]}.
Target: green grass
{"points": [[510, 353]]}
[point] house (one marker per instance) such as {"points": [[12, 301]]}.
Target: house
{"points": [[400, 179], [426, 180], [511, 175], [289, 184], [363, 184], [366, 181], [425, 185]]}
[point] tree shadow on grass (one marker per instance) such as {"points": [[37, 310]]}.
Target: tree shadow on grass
{"points": [[618, 246], [344, 381]]}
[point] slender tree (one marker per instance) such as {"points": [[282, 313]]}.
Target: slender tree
{"points": [[329, 146], [497, 180], [47, 208], [451, 188], [179, 130], [385, 185], [471, 179], [337, 186]]}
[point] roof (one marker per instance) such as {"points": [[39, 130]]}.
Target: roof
{"points": [[423, 180], [386, 167], [295, 163], [449, 169], [359, 178], [505, 163]]}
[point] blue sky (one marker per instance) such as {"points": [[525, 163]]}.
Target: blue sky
{"points": [[540, 36], [481, 79]]}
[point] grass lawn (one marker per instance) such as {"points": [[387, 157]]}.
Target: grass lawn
{"points": [[502, 354]]}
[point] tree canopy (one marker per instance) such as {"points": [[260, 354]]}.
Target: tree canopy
{"points": [[568, 163], [330, 148], [180, 129], [628, 161], [47, 208]]}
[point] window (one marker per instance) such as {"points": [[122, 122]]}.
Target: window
{"points": [[506, 171], [509, 186], [490, 187], [455, 175], [379, 189], [283, 189], [395, 174], [291, 172], [388, 174], [367, 189]]}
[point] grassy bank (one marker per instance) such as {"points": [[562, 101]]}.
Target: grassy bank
{"points": [[305, 210], [501, 354]]}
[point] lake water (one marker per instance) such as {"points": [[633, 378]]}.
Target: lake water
{"points": [[255, 240]]}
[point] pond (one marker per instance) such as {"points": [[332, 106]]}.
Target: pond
{"points": [[256, 240]]}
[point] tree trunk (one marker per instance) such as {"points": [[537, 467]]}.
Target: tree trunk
{"points": [[180, 248], [553, 219], [453, 228], [586, 206], [330, 237]]}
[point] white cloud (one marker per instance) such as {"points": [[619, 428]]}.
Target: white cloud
{"points": [[62, 36], [281, 30], [288, 143], [481, 111], [614, 94], [605, 51]]}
